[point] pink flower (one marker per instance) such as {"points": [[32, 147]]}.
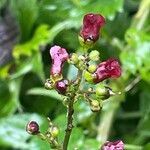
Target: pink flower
{"points": [[91, 26], [107, 69], [59, 56], [117, 145]]}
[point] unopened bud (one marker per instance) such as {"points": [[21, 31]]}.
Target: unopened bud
{"points": [[92, 68], [73, 58], [32, 128], [54, 131], [95, 105], [88, 77], [94, 55], [61, 86]]}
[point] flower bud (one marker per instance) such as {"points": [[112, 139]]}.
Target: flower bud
{"points": [[54, 131], [32, 128], [61, 86], [91, 27], [88, 77], [107, 69], [95, 105], [48, 84], [92, 68], [117, 145], [102, 92], [73, 58], [94, 55]]}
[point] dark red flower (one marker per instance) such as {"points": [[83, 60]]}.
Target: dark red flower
{"points": [[32, 128], [107, 69], [59, 56], [117, 145], [61, 86], [91, 26]]}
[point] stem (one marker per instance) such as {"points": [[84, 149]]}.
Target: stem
{"points": [[69, 125], [70, 111]]}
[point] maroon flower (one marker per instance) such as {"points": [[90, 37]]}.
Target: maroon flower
{"points": [[32, 128], [117, 145], [107, 69], [91, 26], [61, 86], [59, 56]]}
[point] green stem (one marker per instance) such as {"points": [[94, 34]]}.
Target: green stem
{"points": [[69, 125], [70, 111]]}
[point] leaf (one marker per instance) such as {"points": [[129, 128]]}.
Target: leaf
{"points": [[41, 91], [40, 38], [91, 144], [26, 13], [13, 133]]}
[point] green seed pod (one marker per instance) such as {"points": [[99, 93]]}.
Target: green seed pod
{"points": [[92, 68], [74, 58], [88, 76], [54, 131], [94, 55], [102, 92], [95, 106]]}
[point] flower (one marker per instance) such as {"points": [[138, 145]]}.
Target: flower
{"points": [[107, 69], [61, 86], [116, 145], [32, 128], [59, 56], [91, 26]]}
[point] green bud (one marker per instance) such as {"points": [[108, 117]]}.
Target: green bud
{"points": [[94, 55], [74, 58], [95, 105], [54, 131], [48, 84], [92, 68], [81, 65], [102, 92], [85, 44], [88, 77]]}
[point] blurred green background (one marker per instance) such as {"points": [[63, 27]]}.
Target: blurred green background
{"points": [[28, 28]]}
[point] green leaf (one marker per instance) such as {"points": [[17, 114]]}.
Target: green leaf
{"points": [[40, 38], [91, 144], [41, 91], [26, 13], [13, 133]]}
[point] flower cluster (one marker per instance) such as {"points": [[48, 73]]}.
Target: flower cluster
{"points": [[90, 71]]}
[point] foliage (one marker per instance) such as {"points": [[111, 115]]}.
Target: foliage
{"points": [[46, 22]]}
